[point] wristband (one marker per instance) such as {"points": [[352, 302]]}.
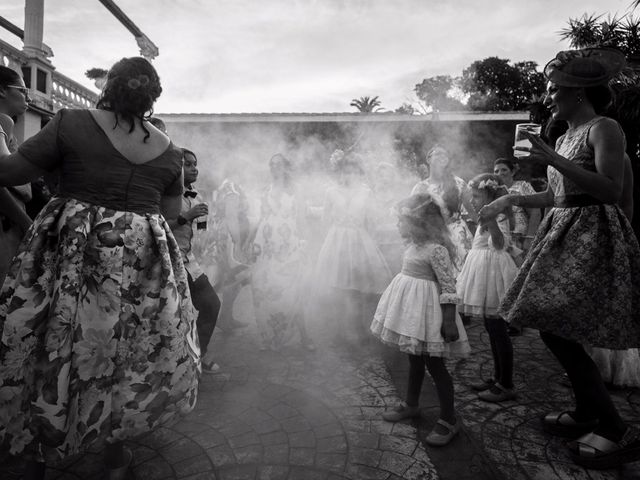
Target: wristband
{"points": [[181, 220]]}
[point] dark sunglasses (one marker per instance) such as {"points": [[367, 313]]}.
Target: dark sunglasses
{"points": [[22, 90]]}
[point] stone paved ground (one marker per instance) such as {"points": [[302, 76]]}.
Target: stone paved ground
{"points": [[316, 415]]}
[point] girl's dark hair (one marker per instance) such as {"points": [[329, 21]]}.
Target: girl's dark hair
{"points": [[8, 76], [493, 184], [131, 89], [186, 151], [451, 197], [427, 221], [600, 97], [504, 161]]}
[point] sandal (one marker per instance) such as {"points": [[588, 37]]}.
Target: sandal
{"points": [[562, 424], [596, 452], [436, 439], [497, 393], [401, 412]]}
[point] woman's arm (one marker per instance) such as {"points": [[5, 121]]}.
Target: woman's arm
{"points": [[170, 207], [537, 200], [14, 168], [605, 184]]}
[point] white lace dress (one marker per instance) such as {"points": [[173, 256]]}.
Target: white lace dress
{"points": [[409, 314]]}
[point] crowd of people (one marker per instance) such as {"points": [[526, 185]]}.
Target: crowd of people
{"points": [[112, 294]]}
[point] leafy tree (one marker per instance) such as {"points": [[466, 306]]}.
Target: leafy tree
{"points": [[434, 93], [406, 109], [493, 84], [366, 104]]}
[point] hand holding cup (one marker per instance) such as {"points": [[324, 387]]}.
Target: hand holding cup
{"points": [[538, 153]]}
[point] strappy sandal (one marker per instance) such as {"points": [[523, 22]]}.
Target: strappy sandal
{"points": [[436, 439], [562, 424], [596, 452]]}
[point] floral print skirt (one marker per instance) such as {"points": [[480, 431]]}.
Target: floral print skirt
{"points": [[580, 279], [98, 332]]}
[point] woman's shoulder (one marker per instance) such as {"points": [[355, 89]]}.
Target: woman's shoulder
{"points": [[605, 126]]}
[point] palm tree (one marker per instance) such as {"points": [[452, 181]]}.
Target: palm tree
{"points": [[366, 104]]}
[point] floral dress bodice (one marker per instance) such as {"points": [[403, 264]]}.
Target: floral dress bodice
{"points": [[573, 146]]}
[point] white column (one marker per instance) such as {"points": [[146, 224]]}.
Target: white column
{"points": [[33, 27]]}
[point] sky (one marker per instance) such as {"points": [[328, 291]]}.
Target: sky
{"points": [[249, 56]]}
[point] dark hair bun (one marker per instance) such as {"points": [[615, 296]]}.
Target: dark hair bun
{"points": [[131, 89]]}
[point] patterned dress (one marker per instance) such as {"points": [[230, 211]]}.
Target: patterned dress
{"points": [[409, 314], [224, 262], [98, 332], [520, 215], [581, 277], [278, 274]]}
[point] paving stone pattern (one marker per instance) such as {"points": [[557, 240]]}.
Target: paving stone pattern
{"points": [[316, 415]]}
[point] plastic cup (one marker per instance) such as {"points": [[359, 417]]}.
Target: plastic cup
{"points": [[521, 140]]}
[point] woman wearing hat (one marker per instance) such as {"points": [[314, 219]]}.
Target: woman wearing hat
{"points": [[580, 282]]}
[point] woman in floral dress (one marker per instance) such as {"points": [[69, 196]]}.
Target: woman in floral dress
{"points": [[281, 264], [98, 333], [580, 282]]}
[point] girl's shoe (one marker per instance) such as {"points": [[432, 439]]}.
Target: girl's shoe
{"points": [[401, 412], [497, 393], [436, 439], [483, 385]]}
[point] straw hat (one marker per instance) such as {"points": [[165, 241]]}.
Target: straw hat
{"points": [[587, 67]]}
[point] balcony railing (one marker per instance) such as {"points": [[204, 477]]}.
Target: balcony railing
{"points": [[64, 92], [67, 93]]}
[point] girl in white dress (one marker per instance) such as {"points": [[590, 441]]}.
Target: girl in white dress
{"points": [[485, 277], [417, 312], [350, 268]]}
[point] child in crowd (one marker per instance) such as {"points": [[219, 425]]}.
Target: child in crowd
{"points": [[485, 277], [417, 312], [350, 269], [203, 296]]}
